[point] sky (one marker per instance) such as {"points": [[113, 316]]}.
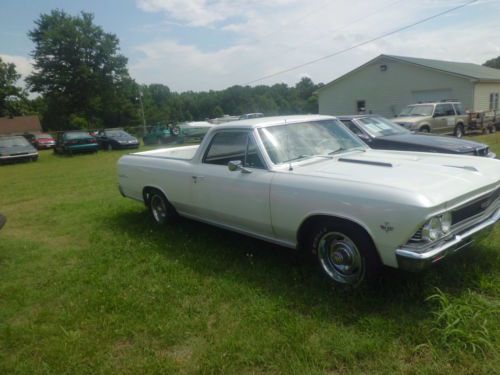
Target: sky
{"points": [[204, 45]]}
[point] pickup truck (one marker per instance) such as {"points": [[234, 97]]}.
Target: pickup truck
{"points": [[308, 183]]}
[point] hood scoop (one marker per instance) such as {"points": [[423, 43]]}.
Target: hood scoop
{"points": [[367, 162], [466, 167]]}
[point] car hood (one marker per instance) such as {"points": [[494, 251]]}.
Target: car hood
{"points": [[432, 178], [410, 119], [17, 150], [436, 142]]}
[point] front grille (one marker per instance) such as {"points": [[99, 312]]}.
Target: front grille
{"points": [[475, 208], [417, 237], [482, 151]]}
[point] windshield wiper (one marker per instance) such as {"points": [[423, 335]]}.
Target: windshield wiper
{"points": [[308, 156]]}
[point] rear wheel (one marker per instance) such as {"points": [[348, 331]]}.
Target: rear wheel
{"points": [[424, 129], [159, 207], [459, 131], [345, 253]]}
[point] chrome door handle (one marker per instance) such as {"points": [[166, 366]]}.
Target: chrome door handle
{"points": [[197, 178]]}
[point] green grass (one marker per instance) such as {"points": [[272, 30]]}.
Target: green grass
{"points": [[89, 286]]}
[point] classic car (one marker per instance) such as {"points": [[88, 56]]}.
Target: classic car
{"points": [[75, 141], [381, 133], [16, 148], [115, 139], [160, 134], [308, 183], [43, 141]]}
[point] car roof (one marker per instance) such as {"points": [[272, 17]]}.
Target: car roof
{"points": [[272, 120]]}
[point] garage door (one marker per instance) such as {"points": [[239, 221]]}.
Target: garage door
{"points": [[432, 95]]}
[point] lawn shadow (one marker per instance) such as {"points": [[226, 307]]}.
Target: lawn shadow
{"points": [[283, 273]]}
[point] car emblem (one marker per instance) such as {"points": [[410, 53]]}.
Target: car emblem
{"points": [[387, 227]]}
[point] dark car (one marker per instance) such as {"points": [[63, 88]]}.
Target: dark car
{"points": [[115, 139], [380, 133], [43, 141], [76, 141], [16, 148]]}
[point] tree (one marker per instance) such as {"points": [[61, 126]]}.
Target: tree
{"points": [[80, 72], [493, 63], [13, 101]]}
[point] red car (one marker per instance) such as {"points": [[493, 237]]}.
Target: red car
{"points": [[43, 141]]}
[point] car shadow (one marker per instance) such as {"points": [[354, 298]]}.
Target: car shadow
{"points": [[284, 273]]}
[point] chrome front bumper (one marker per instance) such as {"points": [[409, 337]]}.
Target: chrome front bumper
{"points": [[411, 260]]}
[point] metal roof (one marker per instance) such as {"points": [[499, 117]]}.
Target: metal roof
{"points": [[475, 71]]}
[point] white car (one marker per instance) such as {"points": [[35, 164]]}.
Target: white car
{"points": [[306, 182]]}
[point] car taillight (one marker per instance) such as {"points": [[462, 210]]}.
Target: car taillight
{"points": [[93, 140]]}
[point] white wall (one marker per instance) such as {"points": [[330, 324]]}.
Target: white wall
{"points": [[482, 93], [387, 92]]}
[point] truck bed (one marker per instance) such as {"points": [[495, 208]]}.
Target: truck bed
{"points": [[179, 153]]}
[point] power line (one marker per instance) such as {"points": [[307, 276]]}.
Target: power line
{"points": [[359, 44]]}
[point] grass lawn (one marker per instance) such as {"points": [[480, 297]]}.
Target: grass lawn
{"points": [[89, 286]]}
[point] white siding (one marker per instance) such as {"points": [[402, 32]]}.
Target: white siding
{"points": [[482, 93], [387, 92]]}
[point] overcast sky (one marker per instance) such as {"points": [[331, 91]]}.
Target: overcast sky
{"points": [[212, 44]]}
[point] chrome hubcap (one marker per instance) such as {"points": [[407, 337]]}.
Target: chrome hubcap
{"points": [[340, 258], [158, 208]]}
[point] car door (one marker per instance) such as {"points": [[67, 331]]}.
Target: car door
{"points": [[240, 198], [439, 121], [450, 117]]}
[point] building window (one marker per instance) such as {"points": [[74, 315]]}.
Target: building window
{"points": [[494, 101], [360, 106]]}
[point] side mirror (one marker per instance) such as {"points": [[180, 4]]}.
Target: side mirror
{"points": [[237, 165]]}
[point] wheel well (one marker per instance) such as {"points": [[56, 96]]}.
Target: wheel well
{"points": [[305, 230], [146, 194], [425, 127]]}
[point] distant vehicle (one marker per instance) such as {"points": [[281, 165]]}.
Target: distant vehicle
{"points": [[76, 141], [247, 116], [16, 148], [434, 117], [30, 138], [114, 139], [381, 133], [43, 141], [160, 134], [193, 131]]}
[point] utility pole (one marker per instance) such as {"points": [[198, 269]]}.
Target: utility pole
{"points": [[142, 112]]}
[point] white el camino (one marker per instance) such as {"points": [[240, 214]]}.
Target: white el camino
{"points": [[307, 183]]}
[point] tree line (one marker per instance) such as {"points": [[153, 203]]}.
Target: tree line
{"points": [[82, 82]]}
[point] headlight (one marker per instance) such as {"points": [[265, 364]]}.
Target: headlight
{"points": [[436, 227]]}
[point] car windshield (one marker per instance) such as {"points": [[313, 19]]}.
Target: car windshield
{"points": [[13, 142], [293, 142], [380, 127], [76, 135], [116, 133], [43, 136], [417, 110]]}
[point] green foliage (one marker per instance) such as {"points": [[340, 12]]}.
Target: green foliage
{"points": [[78, 69], [463, 323], [13, 100], [493, 63]]}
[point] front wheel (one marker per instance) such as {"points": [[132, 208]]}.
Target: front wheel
{"points": [[345, 253]]}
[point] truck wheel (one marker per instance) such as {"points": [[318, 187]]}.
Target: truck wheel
{"points": [[459, 131], [345, 253], [160, 208]]}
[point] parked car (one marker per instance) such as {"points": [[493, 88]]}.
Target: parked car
{"points": [[75, 141], [435, 117], [308, 183], [114, 139], [381, 133], [160, 135], [193, 131], [43, 141], [16, 148], [247, 116]]}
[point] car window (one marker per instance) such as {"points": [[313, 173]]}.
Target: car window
{"points": [[232, 146], [444, 110], [459, 108], [8, 142], [352, 127]]}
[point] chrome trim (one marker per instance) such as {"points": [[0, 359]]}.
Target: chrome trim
{"points": [[5, 157], [419, 260]]}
